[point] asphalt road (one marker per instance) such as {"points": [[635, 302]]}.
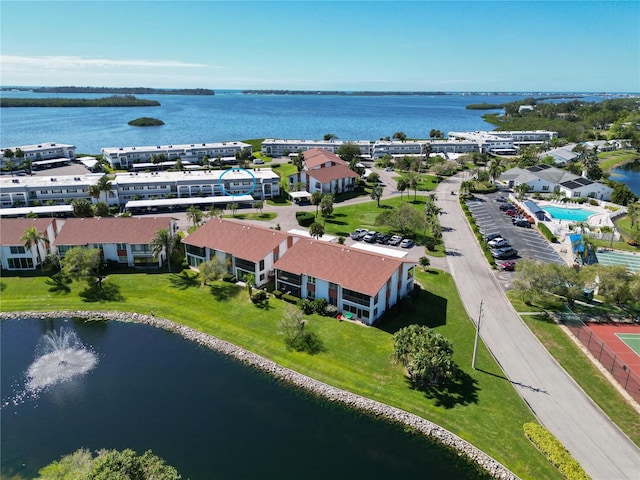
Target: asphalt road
{"points": [[602, 449]]}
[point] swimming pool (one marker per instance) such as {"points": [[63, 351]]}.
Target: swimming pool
{"points": [[571, 214]]}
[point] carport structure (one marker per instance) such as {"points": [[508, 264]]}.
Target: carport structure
{"points": [[297, 197]]}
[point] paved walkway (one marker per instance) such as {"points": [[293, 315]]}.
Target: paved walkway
{"points": [[557, 401]]}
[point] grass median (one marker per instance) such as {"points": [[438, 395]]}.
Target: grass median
{"points": [[484, 409]]}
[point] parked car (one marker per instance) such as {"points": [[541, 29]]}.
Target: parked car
{"points": [[506, 206], [383, 238], [511, 213], [371, 236], [498, 243], [358, 233], [522, 222], [406, 243], [388, 169], [500, 200], [395, 240], [501, 253], [507, 265], [258, 161], [492, 236]]}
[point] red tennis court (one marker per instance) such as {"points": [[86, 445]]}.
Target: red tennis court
{"points": [[609, 332]]}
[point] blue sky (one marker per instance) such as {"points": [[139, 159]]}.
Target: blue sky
{"points": [[341, 45]]}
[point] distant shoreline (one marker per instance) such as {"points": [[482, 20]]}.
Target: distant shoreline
{"points": [[114, 91]]}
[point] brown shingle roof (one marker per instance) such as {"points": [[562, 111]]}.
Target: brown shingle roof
{"points": [[134, 231], [316, 157], [328, 174], [356, 270], [12, 229], [242, 240]]}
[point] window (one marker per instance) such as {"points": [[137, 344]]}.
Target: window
{"points": [[261, 265], [355, 297], [311, 280], [17, 249]]}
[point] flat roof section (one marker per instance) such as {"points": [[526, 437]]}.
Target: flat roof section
{"points": [[44, 210], [167, 202], [390, 252]]}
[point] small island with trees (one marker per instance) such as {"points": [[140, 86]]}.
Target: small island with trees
{"points": [[145, 122]]}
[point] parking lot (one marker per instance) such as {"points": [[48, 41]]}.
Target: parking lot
{"points": [[527, 241]]}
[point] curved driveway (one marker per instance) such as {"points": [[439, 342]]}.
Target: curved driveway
{"points": [[602, 449]]}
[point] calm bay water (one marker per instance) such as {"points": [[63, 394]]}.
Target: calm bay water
{"points": [[207, 415], [230, 115], [628, 173]]}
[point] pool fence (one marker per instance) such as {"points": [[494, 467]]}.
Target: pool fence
{"points": [[627, 378]]}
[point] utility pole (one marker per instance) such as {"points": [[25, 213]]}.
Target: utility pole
{"points": [[475, 345]]}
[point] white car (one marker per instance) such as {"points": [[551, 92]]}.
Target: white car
{"points": [[498, 243], [395, 240], [258, 161]]}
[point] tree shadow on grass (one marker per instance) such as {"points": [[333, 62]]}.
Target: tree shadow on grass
{"points": [[224, 291], [59, 283], [104, 291], [184, 280], [420, 308], [332, 221], [463, 390]]}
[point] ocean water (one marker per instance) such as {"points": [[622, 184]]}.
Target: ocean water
{"points": [[231, 115]]}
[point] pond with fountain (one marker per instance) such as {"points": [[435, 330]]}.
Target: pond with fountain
{"points": [[68, 384]]}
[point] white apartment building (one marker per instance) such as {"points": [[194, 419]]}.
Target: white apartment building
{"points": [[127, 157], [280, 147], [27, 191], [40, 152]]}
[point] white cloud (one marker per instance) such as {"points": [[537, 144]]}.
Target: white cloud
{"points": [[14, 63]]}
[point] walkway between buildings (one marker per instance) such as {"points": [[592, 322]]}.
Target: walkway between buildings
{"points": [[602, 449]]}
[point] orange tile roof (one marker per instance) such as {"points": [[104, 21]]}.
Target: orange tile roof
{"points": [[353, 269], [316, 157], [328, 174], [134, 230], [242, 240], [12, 229]]}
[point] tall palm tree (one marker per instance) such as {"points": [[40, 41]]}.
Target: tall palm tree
{"points": [[495, 169], [104, 185], [376, 193], [165, 241], [31, 238], [326, 206], [316, 198], [316, 230], [402, 185]]}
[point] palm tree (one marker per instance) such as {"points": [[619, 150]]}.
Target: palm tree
{"points": [[233, 207], [194, 215], [316, 198], [164, 241], [495, 169], [31, 238], [316, 230], [249, 279], [412, 181], [103, 185], [326, 206], [94, 191], [376, 193], [402, 185]]}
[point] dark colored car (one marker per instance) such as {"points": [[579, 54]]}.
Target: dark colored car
{"points": [[506, 206], [522, 222], [371, 236], [383, 238]]}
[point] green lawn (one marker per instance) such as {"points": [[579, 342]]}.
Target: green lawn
{"points": [[609, 160], [483, 408]]}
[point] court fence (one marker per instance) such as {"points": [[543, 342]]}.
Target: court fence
{"points": [[629, 380]]}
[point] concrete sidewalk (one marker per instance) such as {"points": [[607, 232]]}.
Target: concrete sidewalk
{"points": [[558, 402]]}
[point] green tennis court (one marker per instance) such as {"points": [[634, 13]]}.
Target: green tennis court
{"points": [[612, 257], [632, 340]]}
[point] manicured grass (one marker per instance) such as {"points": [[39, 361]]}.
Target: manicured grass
{"points": [[363, 215], [483, 408], [609, 160], [565, 351]]}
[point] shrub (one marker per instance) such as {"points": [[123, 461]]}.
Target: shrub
{"points": [[341, 240], [555, 452], [330, 311], [228, 277], [318, 305], [305, 219], [547, 233], [290, 298], [594, 202], [260, 297], [306, 306], [277, 293]]}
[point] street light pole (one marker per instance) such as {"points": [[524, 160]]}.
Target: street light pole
{"points": [[475, 345]]}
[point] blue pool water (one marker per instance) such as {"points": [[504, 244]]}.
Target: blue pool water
{"points": [[571, 214]]}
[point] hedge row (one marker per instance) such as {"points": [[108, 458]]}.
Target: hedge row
{"points": [[474, 226], [555, 452], [547, 233], [305, 219]]}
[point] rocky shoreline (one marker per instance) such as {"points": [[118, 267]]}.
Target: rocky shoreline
{"points": [[351, 400]]}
